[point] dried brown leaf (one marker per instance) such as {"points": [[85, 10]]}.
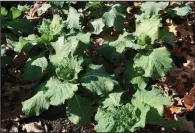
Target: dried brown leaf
{"points": [[175, 109], [179, 79], [189, 100], [184, 32], [168, 114]]}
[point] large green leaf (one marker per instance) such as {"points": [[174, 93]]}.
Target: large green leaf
{"points": [[26, 43], [56, 25], [121, 119], [155, 64], [113, 99], [156, 101], [59, 91], [53, 27], [116, 48], [167, 37], [150, 8], [34, 68], [74, 19], [36, 104], [180, 11], [62, 49], [79, 110], [153, 98], [153, 7], [115, 16], [74, 45], [15, 12], [134, 76], [19, 26], [81, 36], [153, 117], [83, 43], [97, 80], [148, 27], [97, 26]]}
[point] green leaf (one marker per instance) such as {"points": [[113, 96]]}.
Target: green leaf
{"points": [[167, 37], [93, 5], [23, 8], [97, 26], [115, 17], [121, 119], [59, 91], [79, 110], [4, 11], [113, 99], [148, 27], [56, 4], [11, 39], [36, 104], [53, 27], [69, 68], [83, 43], [97, 80], [56, 25], [62, 49], [155, 64], [153, 98], [180, 11], [153, 7], [25, 44], [81, 36], [34, 68], [18, 26], [74, 19], [15, 12], [20, 45], [125, 40], [74, 45], [44, 27], [153, 117], [32, 38], [134, 76], [116, 48]]}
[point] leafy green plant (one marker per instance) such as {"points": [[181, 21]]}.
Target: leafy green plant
{"points": [[66, 39]]}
